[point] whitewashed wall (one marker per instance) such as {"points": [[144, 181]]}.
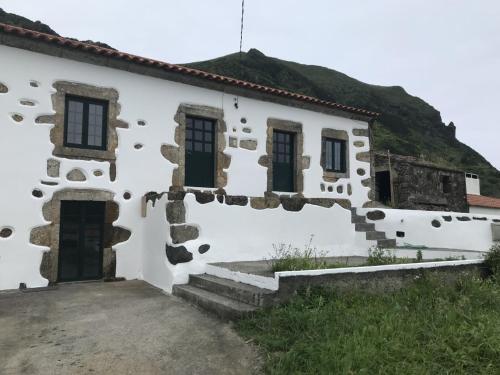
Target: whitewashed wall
{"points": [[25, 148], [239, 233], [484, 210], [472, 235]]}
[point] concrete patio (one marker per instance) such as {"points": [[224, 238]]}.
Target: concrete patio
{"points": [[125, 327]]}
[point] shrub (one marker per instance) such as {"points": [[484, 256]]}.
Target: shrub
{"points": [[420, 256], [492, 259], [378, 256], [289, 258]]}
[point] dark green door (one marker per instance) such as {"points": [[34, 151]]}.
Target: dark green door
{"points": [[81, 240], [200, 152], [283, 161]]}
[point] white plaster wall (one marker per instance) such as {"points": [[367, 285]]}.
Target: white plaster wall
{"points": [[240, 233], [484, 210], [474, 235], [25, 148]]}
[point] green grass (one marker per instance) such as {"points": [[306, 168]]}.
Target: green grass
{"points": [[427, 328]]}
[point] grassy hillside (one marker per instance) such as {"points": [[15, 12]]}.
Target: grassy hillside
{"points": [[16, 20], [408, 125]]}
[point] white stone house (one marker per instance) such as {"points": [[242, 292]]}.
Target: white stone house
{"points": [[118, 166]]}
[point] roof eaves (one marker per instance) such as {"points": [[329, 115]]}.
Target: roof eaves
{"points": [[110, 53]]}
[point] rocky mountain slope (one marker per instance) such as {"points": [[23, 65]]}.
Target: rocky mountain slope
{"points": [[408, 125]]}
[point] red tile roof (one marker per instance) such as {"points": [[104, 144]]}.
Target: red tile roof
{"points": [[482, 201], [96, 50]]}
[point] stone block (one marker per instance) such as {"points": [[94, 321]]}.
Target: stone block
{"points": [[76, 175], [53, 166], [233, 142], [375, 215], [238, 200], [183, 233], [171, 153], [203, 248], [263, 203], [176, 212], [176, 255], [248, 144], [204, 197], [360, 132], [293, 204]]}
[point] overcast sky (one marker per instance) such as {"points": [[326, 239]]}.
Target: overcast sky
{"points": [[445, 51]]}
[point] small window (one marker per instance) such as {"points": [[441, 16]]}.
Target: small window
{"points": [[334, 155], [85, 123], [446, 184]]}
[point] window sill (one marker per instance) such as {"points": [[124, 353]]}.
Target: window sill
{"points": [[334, 176], [83, 153]]}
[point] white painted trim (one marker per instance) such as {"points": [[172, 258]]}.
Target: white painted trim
{"points": [[241, 277], [388, 267]]}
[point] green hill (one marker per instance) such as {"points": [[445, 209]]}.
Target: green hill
{"points": [[16, 20], [407, 126]]}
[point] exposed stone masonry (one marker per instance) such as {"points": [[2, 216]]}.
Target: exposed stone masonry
{"points": [[301, 162], [176, 154], [53, 167], [420, 185], [76, 175], [57, 132], [48, 235], [3, 89]]}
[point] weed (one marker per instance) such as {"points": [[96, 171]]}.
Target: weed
{"points": [[378, 256], [492, 259]]}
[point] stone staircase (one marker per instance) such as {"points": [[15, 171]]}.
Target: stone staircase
{"points": [[371, 233], [229, 300]]}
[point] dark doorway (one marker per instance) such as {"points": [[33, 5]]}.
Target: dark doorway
{"points": [[81, 240], [200, 152], [283, 161], [383, 187]]}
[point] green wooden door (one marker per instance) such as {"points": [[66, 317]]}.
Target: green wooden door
{"points": [[283, 161]]}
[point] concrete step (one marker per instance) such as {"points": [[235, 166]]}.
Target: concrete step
{"points": [[245, 293], [374, 235], [386, 243], [364, 227], [223, 307]]}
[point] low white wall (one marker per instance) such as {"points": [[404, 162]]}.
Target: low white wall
{"points": [[473, 235], [241, 233], [484, 211]]}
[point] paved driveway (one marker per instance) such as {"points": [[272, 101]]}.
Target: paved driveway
{"points": [[115, 328]]}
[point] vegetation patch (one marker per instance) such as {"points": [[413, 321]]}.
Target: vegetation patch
{"points": [[427, 328], [288, 258], [285, 257]]}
